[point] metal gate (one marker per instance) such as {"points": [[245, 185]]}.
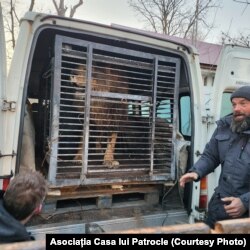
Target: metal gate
{"points": [[112, 114]]}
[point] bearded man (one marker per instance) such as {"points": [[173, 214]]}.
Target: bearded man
{"points": [[229, 147]]}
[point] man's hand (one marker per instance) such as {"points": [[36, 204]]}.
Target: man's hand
{"points": [[187, 178], [234, 207]]}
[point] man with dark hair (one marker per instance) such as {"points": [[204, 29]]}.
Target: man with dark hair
{"points": [[23, 198], [229, 147]]}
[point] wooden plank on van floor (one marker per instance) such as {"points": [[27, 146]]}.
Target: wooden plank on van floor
{"points": [[197, 228], [239, 226], [27, 245]]}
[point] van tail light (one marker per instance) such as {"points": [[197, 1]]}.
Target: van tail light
{"points": [[4, 183], [203, 193]]}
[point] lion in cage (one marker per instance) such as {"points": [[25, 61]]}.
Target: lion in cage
{"points": [[105, 113]]}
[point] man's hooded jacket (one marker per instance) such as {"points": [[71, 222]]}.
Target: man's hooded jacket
{"points": [[231, 151]]}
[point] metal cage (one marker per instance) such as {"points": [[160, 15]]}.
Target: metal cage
{"points": [[112, 114]]}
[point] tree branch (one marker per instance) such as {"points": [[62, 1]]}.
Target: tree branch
{"points": [[60, 9], [73, 9], [32, 3]]}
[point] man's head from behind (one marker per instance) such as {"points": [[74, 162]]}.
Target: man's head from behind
{"points": [[240, 99], [25, 194]]}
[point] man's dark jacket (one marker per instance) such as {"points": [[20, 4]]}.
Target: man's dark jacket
{"points": [[11, 230], [232, 151]]}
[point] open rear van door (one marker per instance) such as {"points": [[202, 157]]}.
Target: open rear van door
{"points": [[233, 71], [3, 76]]}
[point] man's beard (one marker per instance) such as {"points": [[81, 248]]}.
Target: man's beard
{"points": [[240, 126]]}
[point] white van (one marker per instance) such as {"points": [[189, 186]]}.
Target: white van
{"points": [[116, 116]]}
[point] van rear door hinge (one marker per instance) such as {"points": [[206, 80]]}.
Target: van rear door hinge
{"points": [[3, 155], [9, 106], [208, 119]]}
